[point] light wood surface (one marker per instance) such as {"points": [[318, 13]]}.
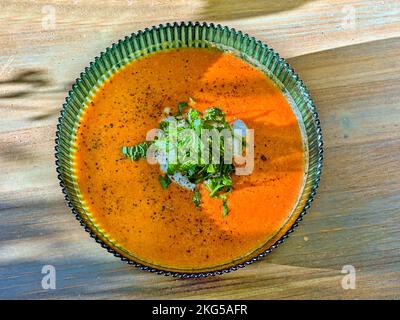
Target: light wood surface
{"points": [[352, 69]]}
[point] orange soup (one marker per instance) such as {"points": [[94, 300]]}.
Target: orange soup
{"points": [[163, 227]]}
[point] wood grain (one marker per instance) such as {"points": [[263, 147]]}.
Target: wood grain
{"points": [[353, 73]]}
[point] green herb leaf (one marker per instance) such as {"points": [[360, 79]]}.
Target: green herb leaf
{"points": [[191, 101], [165, 181], [219, 185], [225, 207], [136, 152], [197, 198], [214, 114], [181, 105], [192, 116]]}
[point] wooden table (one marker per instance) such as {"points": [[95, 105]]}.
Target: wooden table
{"points": [[347, 52]]}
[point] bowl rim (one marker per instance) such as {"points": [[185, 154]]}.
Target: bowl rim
{"points": [[319, 163]]}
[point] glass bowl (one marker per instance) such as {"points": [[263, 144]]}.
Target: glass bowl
{"points": [[180, 35]]}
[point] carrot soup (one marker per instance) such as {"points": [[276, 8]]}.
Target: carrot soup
{"points": [[163, 226]]}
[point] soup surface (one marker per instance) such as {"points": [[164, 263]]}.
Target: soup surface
{"points": [[164, 227]]}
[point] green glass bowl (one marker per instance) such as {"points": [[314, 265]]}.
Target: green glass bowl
{"points": [[181, 35]]}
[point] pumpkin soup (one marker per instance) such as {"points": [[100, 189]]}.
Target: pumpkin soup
{"points": [[143, 208]]}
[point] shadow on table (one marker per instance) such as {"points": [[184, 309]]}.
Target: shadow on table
{"points": [[18, 90], [25, 83], [229, 10]]}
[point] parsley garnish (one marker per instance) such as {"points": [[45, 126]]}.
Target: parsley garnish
{"points": [[197, 198], [165, 181], [186, 151], [136, 152]]}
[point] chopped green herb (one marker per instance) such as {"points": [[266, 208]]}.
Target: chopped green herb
{"points": [[181, 105], [136, 152], [165, 181], [191, 101], [197, 198], [225, 207], [181, 136]]}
